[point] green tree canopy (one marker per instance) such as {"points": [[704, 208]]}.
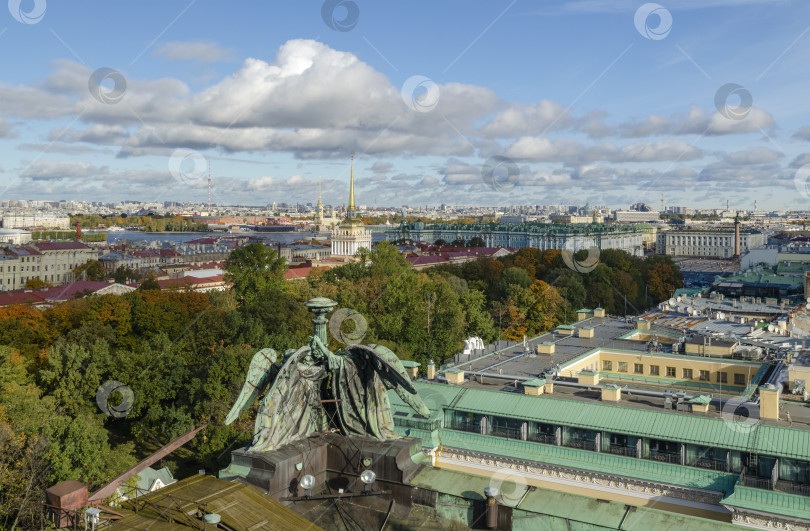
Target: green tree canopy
{"points": [[255, 271]]}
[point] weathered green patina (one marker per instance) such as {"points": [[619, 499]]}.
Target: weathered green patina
{"points": [[312, 389]]}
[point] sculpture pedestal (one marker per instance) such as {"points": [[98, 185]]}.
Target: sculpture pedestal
{"points": [[335, 461]]}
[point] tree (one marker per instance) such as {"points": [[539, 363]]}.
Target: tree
{"points": [[476, 241], [255, 270], [542, 315], [440, 242], [386, 260], [123, 274], [512, 275], [37, 283], [90, 270], [149, 283], [459, 242]]}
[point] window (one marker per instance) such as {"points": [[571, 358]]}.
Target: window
{"points": [[687, 374], [671, 372], [638, 368], [739, 379], [704, 376], [607, 365], [622, 366], [654, 370], [722, 377]]}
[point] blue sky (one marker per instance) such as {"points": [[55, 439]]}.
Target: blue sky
{"points": [[580, 100]]}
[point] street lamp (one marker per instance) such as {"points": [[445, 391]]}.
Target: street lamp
{"points": [[307, 482], [368, 477]]}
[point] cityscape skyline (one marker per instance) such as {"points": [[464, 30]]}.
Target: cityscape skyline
{"points": [[696, 101]]}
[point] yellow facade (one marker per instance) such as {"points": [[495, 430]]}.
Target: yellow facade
{"points": [[710, 349], [455, 376], [675, 368], [611, 393], [798, 372], [545, 348], [585, 331], [769, 401]]}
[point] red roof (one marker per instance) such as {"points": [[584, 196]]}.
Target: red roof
{"points": [[59, 246], [189, 281], [51, 295]]}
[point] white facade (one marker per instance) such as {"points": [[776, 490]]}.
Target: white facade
{"points": [[349, 237], [14, 236], [23, 220], [705, 243]]}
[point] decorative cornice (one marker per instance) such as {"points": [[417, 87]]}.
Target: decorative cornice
{"points": [[692, 497], [758, 520]]}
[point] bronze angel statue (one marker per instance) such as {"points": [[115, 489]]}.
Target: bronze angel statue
{"points": [[312, 389]]}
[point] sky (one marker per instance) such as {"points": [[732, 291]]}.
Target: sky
{"points": [[503, 102]]}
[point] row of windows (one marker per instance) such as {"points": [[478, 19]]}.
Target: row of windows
{"points": [[768, 472], [672, 372]]}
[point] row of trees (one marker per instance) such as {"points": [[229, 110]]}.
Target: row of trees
{"points": [[146, 223], [184, 354]]}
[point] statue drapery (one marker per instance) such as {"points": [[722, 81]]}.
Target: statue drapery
{"points": [[308, 384]]}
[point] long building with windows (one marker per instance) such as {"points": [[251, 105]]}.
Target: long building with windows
{"points": [[707, 243], [624, 412], [542, 236]]}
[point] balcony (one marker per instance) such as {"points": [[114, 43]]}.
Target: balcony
{"points": [[755, 482], [791, 487], [665, 457], [581, 444], [509, 433], [545, 438], [710, 464], [472, 427], [626, 451]]}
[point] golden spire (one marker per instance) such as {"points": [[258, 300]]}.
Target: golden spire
{"points": [[351, 186]]}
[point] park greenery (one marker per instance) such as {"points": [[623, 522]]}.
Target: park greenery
{"points": [[154, 223], [184, 354]]}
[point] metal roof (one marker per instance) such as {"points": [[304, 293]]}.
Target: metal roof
{"points": [[769, 501], [668, 425], [550, 505]]}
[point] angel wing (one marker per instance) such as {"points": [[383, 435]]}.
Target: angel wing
{"points": [[390, 369], [262, 371]]}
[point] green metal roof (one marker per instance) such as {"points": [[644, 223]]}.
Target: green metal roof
{"points": [[410, 363], [594, 461], [663, 424], [701, 400], [584, 310], [555, 507], [769, 501]]}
